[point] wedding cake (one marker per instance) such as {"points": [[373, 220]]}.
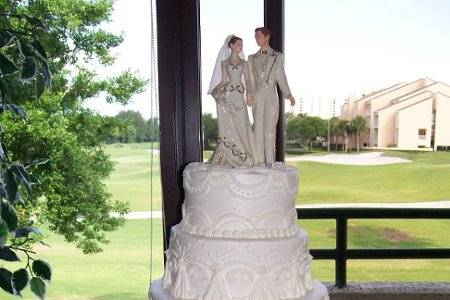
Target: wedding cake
{"points": [[239, 238]]}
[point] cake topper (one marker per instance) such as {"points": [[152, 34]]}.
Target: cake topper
{"points": [[236, 82]]}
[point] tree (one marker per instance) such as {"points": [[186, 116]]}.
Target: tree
{"points": [[210, 131], [305, 129], [136, 129], [359, 125], [344, 131], [71, 197], [22, 60], [334, 130], [152, 131]]}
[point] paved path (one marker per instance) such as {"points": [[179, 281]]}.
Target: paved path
{"points": [[362, 159], [156, 151], [142, 215]]}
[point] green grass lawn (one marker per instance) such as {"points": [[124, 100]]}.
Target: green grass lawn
{"points": [[384, 234], [121, 271], [130, 181], [427, 178]]}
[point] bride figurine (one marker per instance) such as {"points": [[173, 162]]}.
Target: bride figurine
{"points": [[235, 144]]}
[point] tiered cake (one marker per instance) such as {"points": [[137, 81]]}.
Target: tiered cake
{"points": [[239, 238]]}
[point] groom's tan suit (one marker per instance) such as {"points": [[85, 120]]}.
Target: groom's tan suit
{"points": [[267, 70]]}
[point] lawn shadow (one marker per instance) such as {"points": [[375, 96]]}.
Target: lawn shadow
{"points": [[120, 296], [374, 236]]}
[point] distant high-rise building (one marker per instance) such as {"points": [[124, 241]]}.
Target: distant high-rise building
{"points": [[333, 107]]}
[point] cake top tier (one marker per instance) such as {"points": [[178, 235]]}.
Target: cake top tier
{"points": [[244, 182], [256, 202]]}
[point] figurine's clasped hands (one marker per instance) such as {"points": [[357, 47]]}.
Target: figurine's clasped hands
{"points": [[250, 99]]}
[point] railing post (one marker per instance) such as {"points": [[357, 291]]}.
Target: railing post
{"points": [[341, 248], [274, 19]]}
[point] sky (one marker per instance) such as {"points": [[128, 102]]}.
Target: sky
{"points": [[333, 49]]}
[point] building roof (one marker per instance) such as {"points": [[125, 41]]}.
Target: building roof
{"points": [[394, 88], [415, 103], [413, 93], [378, 92], [406, 99]]}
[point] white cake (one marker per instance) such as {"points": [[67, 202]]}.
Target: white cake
{"points": [[238, 238]]}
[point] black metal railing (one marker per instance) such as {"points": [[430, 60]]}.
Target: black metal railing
{"points": [[341, 253]]}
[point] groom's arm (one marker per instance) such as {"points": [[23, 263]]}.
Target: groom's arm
{"points": [[281, 78], [252, 75]]}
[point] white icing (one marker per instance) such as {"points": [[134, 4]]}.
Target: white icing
{"points": [[158, 293], [206, 268], [257, 202], [245, 183]]}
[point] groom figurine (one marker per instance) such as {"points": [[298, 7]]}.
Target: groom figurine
{"points": [[267, 67]]}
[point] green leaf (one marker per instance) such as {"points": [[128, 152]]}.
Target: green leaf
{"points": [[22, 174], [47, 74], [42, 269], [38, 287], [6, 38], [8, 255], [40, 85], [9, 215], [40, 51], [2, 152], [7, 66], [25, 231], [17, 109], [2, 190], [36, 22], [28, 67], [37, 162], [25, 48], [3, 232], [19, 280], [5, 280], [3, 95], [12, 186]]}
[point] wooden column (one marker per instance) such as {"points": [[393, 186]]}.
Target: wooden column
{"points": [[274, 20], [178, 24]]}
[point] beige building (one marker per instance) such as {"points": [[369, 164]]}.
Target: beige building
{"points": [[404, 116]]}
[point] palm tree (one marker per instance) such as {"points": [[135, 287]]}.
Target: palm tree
{"points": [[333, 130], [344, 130], [359, 125]]}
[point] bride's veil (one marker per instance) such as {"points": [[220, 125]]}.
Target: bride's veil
{"points": [[224, 53]]}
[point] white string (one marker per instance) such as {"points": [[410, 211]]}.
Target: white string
{"points": [[154, 113]]}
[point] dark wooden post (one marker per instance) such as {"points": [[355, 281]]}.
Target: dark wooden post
{"points": [[178, 24], [341, 252], [274, 20]]}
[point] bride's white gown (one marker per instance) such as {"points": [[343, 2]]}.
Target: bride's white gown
{"points": [[235, 143]]}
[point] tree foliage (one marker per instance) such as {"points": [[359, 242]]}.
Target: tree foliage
{"points": [[359, 125], [136, 129], [131, 127], [63, 38], [23, 60], [304, 129], [210, 131]]}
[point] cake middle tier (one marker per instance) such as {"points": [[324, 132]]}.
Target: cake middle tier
{"points": [[256, 202]]}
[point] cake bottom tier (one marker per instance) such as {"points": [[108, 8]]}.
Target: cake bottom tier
{"points": [[208, 268], [319, 293]]}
